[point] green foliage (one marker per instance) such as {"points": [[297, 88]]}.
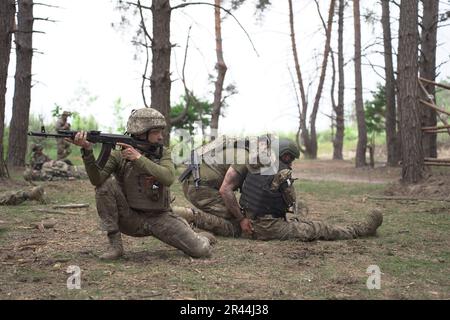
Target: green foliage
{"points": [[118, 108], [443, 95], [198, 110], [83, 123], [374, 111], [56, 112], [35, 124]]}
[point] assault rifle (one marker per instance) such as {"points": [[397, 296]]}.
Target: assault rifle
{"points": [[108, 141], [193, 168]]}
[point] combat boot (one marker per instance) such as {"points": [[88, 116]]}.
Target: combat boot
{"points": [[37, 193], [115, 249], [212, 239], [370, 226]]}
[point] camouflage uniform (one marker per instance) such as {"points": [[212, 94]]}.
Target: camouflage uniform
{"points": [[266, 204], [62, 145], [53, 170], [141, 208], [13, 198], [208, 199]]}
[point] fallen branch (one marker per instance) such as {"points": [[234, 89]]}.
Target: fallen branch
{"points": [[404, 198], [430, 105], [71, 206], [50, 211], [438, 164]]}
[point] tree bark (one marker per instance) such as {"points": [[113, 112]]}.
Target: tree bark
{"points": [[338, 141], [359, 106], [303, 129], [428, 71], [412, 151], [160, 82], [8, 9], [221, 68], [22, 89], [393, 154], [315, 109]]}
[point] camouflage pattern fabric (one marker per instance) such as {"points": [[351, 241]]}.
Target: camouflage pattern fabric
{"points": [[12, 198], [212, 214], [63, 147], [37, 160], [54, 170], [116, 215]]}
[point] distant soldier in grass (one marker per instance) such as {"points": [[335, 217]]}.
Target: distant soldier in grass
{"points": [[132, 190], [42, 168], [13, 198], [265, 200], [63, 147]]}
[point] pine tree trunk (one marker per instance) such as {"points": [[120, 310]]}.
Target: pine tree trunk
{"points": [[221, 68], [22, 89], [428, 71], [359, 106], [393, 154], [338, 141], [160, 82], [412, 151], [303, 134], [315, 109], [8, 9]]}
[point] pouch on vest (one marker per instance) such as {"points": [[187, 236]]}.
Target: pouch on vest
{"points": [[144, 192]]}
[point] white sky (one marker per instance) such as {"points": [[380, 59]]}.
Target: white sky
{"points": [[82, 50]]}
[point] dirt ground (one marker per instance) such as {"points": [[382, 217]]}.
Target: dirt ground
{"points": [[411, 248]]}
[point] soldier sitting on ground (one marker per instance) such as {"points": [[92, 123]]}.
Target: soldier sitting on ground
{"points": [[12, 198], [264, 201], [42, 168], [206, 195]]}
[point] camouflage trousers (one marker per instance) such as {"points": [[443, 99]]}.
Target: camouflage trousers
{"points": [[269, 228], [52, 171], [116, 215], [63, 148], [12, 198], [213, 215]]}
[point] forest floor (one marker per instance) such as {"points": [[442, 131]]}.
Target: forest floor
{"points": [[411, 248]]}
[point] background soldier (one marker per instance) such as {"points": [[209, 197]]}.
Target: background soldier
{"points": [[12, 198], [136, 201], [42, 168], [62, 145], [265, 200], [38, 158]]}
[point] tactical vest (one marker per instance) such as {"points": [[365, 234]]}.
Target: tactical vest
{"points": [[143, 191], [257, 198]]}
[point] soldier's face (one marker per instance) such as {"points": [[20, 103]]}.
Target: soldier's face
{"points": [[155, 136], [287, 159]]}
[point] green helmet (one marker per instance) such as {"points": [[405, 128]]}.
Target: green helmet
{"points": [[289, 146], [142, 120]]}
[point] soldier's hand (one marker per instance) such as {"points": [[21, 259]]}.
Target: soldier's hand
{"points": [[81, 140], [128, 152], [246, 226]]}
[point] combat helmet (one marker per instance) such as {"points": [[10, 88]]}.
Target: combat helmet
{"points": [[289, 146], [142, 120]]}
